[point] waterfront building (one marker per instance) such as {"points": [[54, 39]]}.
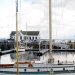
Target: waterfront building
{"points": [[6, 44], [25, 37], [55, 45]]}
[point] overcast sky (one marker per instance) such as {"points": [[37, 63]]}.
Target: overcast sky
{"points": [[34, 14]]}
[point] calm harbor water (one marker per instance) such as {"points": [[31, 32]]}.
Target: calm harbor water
{"points": [[63, 57]]}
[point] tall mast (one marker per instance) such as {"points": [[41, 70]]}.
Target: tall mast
{"points": [[17, 66], [51, 59], [26, 36], [50, 28]]}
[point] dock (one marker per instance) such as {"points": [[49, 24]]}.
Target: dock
{"points": [[43, 51], [7, 51]]}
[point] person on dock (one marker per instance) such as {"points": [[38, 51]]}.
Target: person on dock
{"points": [[38, 70], [25, 69], [58, 62]]}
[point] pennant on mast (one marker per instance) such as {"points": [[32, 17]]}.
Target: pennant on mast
{"points": [[16, 5]]}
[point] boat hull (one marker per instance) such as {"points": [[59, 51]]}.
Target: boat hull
{"points": [[6, 65], [32, 73]]}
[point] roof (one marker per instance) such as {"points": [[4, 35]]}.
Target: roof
{"points": [[13, 33], [26, 32], [31, 32]]}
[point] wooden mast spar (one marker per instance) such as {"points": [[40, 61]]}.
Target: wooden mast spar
{"points": [[50, 60], [17, 65]]}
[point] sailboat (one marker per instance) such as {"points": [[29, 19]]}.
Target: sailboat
{"points": [[37, 70], [40, 69]]}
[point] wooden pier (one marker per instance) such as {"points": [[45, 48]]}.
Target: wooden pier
{"points": [[43, 51]]}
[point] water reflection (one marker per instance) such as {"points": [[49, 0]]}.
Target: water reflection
{"points": [[65, 57], [5, 59]]}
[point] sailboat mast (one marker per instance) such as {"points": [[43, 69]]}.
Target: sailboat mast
{"points": [[50, 28], [17, 66], [26, 36]]}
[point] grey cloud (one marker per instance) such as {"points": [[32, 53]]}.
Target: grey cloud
{"points": [[32, 1], [71, 5], [68, 4], [59, 3]]}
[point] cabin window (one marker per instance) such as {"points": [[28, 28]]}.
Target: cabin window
{"points": [[21, 37], [25, 37], [36, 37], [33, 38], [30, 38]]}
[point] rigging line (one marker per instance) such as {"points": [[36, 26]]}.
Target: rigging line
{"points": [[62, 21]]}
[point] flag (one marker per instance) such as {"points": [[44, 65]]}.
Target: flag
{"points": [[16, 5]]}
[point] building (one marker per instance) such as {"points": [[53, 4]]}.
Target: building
{"points": [[55, 45], [6, 44], [25, 36]]}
